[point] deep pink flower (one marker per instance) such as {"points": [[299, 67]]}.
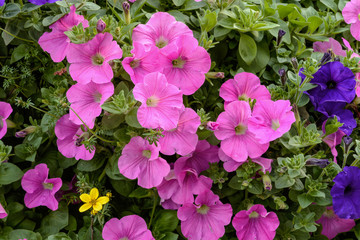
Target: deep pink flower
{"points": [[332, 225], [56, 42], [168, 187], [86, 100], [5, 111], [161, 102], [182, 139], [40, 190], [351, 13], [70, 136], [185, 63], [212, 126], [130, 227], [256, 223], [206, 218], [244, 86], [333, 140], [3, 213], [238, 141], [142, 62], [161, 29], [332, 45], [270, 120], [90, 61], [141, 160]]}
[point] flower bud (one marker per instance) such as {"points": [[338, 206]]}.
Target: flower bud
{"points": [[25, 132], [215, 75], [294, 63], [325, 58], [283, 77], [322, 163], [281, 33], [212, 126], [126, 8], [347, 140], [267, 182], [100, 26]]}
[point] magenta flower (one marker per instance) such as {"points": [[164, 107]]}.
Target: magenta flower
{"points": [[347, 44], [238, 140], [161, 102], [270, 120], [244, 86], [90, 61], [142, 62], [168, 188], [40, 190], [351, 13], [86, 100], [3, 213], [333, 140], [332, 45], [5, 111], [256, 223], [161, 29], [185, 63], [206, 218], [130, 227], [141, 160], [56, 43], [70, 137], [182, 139], [212, 126]]}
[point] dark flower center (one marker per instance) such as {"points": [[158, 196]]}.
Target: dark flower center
{"points": [[347, 190], [331, 84]]}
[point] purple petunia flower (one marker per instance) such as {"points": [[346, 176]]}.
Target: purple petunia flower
{"points": [[346, 193], [42, 2]]}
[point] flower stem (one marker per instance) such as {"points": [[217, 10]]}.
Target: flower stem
{"points": [[153, 209], [92, 227], [39, 109], [23, 39]]}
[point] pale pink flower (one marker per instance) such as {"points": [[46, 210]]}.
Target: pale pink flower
{"points": [[142, 62], [182, 139], [3, 213], [86, 100], [332, 225], [351, 13], [131, 227], [270, 120], [332, 45], [90, 61], [243, 87], [206, 218], [256, 223], [347, 44], [161, 29], [70, 136], [141, 160], [5, 111], [185, 63], [161, 102], [40, 190], [238, 141], [56, 43], [333, 140]]}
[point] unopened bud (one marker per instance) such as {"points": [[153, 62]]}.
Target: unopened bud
{"points": [[126, 8], [267, 182], [215, 75], [281, 33], [283, 77], [347, 140], [327, 57], [322, 163], [212, 126], [100, 26], [26, 131], [294, 63]]}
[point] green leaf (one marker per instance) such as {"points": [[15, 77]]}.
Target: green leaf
{"points": [[11, 10], [19, 52], [89, 6], [209, 21], [284, 182], [55, 221], [305, 200], [192, 5], [170, 236], [262, 26], [9, 173], [166, 221], [112, 169], [315, 22], [123, 187], [13, 28], [178, 3], [140, 193], [51, 19], [256, 187], [247, 48], [28, 7], [131, 118], [59, 236], [330, 4], [24, 234], [92, 165]]}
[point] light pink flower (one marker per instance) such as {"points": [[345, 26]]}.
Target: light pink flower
{"points": [[161, 29], [332, 45], [182, 139], [333, 140], [332, 225], [56, 43], [142, 62], [86, 100], [5, 111], [351, 13], [70, 136], [3, 213], [256, 223], [238, 141], [90, 61], [131, 227], [270, 120], [206, 218], [244, 86], [40, 190], [185, 63], [347, 44], [161, 102], [141, 160]]}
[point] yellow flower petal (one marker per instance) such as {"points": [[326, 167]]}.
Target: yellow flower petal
{"points": [[85, 197], [102, 200], [85, 207], [97, 206], [94, 193]]}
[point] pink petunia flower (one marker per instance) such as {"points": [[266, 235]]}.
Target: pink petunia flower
{"points": [[212, 126], [238, 141], [351, 13], [332, 225], [86, 100], [206, 218], [161, 29], [90, 61], [40, 190], [5, 111], [168, 187], [56, 43], [332, 45], [131, 227], [185, 63], [348, 46], [270, 120], [243, 87], [256, 223], [141, 160], [70, 136], [3, 213], [161, 102], [333, 140], [142, 62], [182, 139]]}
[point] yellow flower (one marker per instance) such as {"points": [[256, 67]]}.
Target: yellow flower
{"points": [[92, 200]]}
